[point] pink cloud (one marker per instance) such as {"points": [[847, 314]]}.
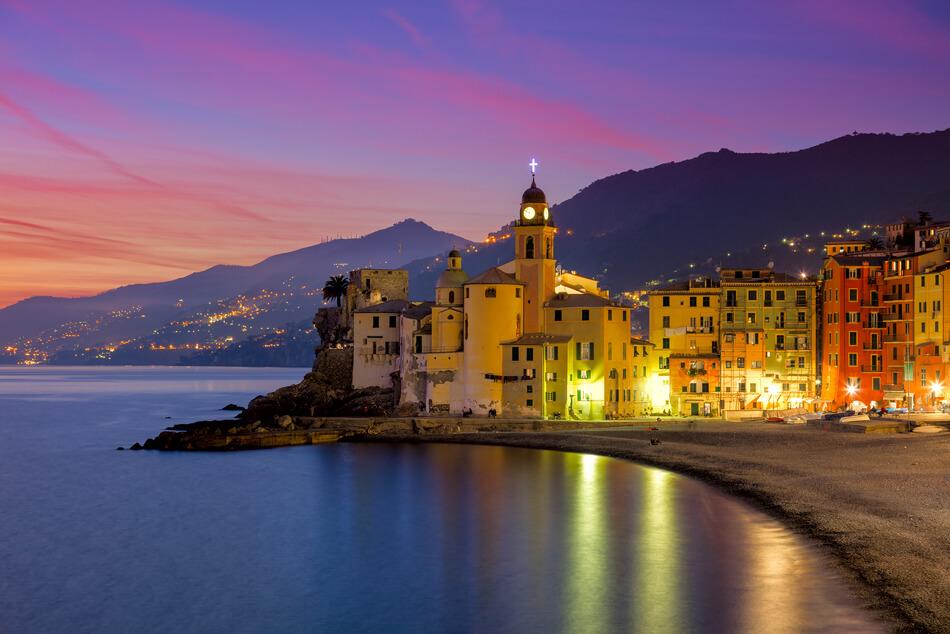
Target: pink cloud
{"points": [[410, 29]]}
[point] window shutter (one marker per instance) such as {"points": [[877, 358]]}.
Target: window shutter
{"points": [[577, 354], [591, 350]]}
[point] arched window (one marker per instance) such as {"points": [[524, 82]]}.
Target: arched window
{"points": [[466, 326], [547, 249], [490, 292], [451, 297], [529, 248]]}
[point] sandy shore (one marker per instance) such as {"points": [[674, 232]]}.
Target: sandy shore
{"points": [[880, 502]]}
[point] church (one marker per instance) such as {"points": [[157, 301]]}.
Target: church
{"points": [[519, 340]]}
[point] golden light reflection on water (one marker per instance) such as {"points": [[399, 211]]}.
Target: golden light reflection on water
{"points": [[588, 570], [657, 558]]}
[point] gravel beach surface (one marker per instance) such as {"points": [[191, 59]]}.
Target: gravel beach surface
{"points": [[881, 502]]}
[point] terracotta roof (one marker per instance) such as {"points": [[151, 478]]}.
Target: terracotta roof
{"points": [[859, 258], [580, 300], [494, 276], [537, 339], [392, 306], [419, 310]]}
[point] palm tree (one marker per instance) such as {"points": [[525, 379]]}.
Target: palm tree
{"points": [[875, 243], [335, 288], [924, 218]]}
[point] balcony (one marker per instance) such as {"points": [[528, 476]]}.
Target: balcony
{"points": [[892, 297], [893, 387], [895, 317], [896, 339], [702, 330], [873, 325], [801, 303], [874, 345], [872, 368]]}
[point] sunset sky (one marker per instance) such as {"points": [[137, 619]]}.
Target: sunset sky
{"points": [[141, 141]]}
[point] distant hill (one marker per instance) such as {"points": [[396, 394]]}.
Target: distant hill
{"points": [[152, 305], [637, 226]]}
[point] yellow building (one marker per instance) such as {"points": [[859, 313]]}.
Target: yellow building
{"points": [[684, 327], [768, 330], [520, 339]]}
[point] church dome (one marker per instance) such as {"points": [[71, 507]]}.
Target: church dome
{"points": [[454, 253], [533, 194], [450, 278]]}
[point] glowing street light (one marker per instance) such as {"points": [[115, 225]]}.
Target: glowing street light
{"points": [[851, 389]]}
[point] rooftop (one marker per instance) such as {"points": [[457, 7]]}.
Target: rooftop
{"points": [[580, 300], [392, 306], [494, 275], [537, 339]]}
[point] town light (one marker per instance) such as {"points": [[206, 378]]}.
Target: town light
{"points": [[851, 389], [936, 387]]}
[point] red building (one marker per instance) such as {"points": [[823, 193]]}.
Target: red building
{"points": [[853, 329]]}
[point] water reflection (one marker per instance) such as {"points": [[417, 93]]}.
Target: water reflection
{"points": [[657, 599]]}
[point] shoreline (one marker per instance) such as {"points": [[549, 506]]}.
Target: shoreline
{"points": [[897, 561]]}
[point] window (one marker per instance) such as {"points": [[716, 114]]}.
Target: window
{"points": [[729, 317], [852, 338], [490, 292], [801, 317], [740, 362], [666, 300], [730, 337], [517, 291], [752, 295], [451, 297], [666, 343], [728, 364], [780, 296], [876, 383], [550, 396], [529, 389], [514, 353], [550, 376], [666, 321], [557, 315], [610, 350], [852, 359], [583, 374], [466, 292], [418, 345], [585, 315], [375, 320], [706, 301], [852, 295], [550, 353], [756, 364], [585, 350], [610, 315], [392, 321], [692, 302], [529, 402], [623, 315], [529, 354], [529, 248], [750, 317]]}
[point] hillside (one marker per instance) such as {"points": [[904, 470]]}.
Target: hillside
{"points": [[638, 226], [220, 302]]}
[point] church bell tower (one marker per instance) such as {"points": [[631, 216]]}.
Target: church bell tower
{"points": [[534, 254]]}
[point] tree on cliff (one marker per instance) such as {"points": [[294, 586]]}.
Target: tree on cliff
{"points": [[335, 288]]}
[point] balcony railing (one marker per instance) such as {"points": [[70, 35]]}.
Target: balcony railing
{"points": [[872, 368], [889, 387], [801, 302], [874, 345], [894, 317], [892, 297]]}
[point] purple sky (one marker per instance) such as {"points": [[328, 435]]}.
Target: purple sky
{"points": [[144, 140]]}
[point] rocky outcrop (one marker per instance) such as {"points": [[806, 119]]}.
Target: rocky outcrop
{"points": [[330, 326]]}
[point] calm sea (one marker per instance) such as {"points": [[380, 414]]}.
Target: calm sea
{"points": [[361, 537]]}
